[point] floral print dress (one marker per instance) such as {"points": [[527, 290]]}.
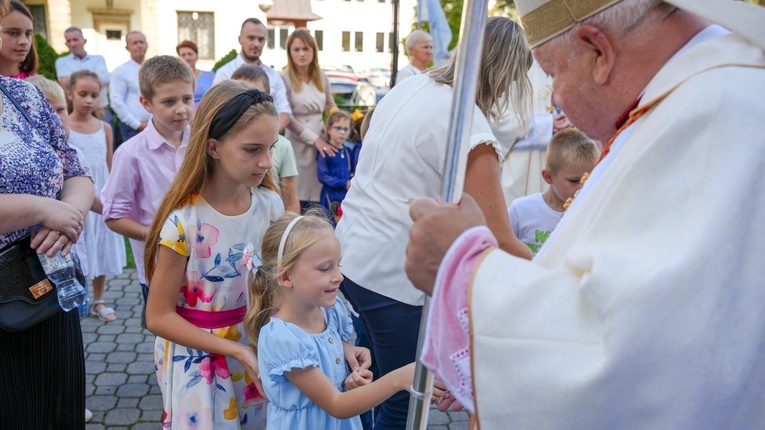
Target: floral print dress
{"points": [[201, 390]]}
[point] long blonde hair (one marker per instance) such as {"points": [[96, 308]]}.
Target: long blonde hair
{"points": [[198, 166], [504, 70], [263, 285], [314, 71]]}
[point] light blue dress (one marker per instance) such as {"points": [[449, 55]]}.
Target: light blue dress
{"points": [[283, 346]]}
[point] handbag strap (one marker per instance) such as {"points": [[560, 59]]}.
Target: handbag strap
{"points": [[16, 103]]}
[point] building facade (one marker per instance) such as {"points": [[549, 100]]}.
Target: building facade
{"points": [[358, 33]]}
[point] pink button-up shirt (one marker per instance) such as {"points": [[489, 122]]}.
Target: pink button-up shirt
{"points": [[142, 170]]}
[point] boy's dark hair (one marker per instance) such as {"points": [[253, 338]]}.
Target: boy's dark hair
{"points": [[161, 70], [251, 72]]}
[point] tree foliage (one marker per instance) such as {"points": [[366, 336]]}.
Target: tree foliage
{"points": [[453, 12], [47, 57], [225, 59]]}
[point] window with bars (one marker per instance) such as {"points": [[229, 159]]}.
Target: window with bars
{"points": [[283, 35], [271, 42], [319, 36], [38, 13], [346, 41], [380, 43], [359, 39], [198, 27]]}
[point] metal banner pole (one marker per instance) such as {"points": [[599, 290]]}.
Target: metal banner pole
{"points": [[474, 14]]}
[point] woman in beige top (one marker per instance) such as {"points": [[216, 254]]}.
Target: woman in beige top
{"points": [[309, 93]]}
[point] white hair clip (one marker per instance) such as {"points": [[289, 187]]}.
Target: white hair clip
{"points": [[250, 259]]}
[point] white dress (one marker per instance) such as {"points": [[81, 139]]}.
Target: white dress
{"points": [[101, 251]]}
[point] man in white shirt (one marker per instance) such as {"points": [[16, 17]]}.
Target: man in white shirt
{"points": [[125, 90], [79, 59], [643, 309], [252, 38]]}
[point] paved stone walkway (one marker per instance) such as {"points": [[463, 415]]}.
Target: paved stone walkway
{"points": [[119, 361]]}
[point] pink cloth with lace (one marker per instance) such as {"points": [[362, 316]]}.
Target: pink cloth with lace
{"points": [[446, 350]]}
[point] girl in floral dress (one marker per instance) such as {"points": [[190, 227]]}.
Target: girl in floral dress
{"points": [[222, 198]]}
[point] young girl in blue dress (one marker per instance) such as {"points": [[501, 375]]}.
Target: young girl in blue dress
{"points": [[299, 344], [222, 198], [335, 171]]}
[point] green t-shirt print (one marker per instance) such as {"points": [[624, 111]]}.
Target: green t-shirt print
{"points": [[540, 236]]}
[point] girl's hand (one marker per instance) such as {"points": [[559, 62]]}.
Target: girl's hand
{"points": [[439, 391], [62, 217], [405, 377], [48, 242], [357, 378], [455, 404], [443, 397], [246, 356], [324, 148], [357, 357]]}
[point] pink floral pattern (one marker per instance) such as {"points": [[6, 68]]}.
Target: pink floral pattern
{"points": [[193, 416], [214, 365], [202, 239], [196, 289]]}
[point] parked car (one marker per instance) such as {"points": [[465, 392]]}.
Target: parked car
{"points": [[342, 89], [377, 76], [366, 94], [345, 71]]}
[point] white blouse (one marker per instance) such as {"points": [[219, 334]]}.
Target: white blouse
{"points": [[402, 159]]}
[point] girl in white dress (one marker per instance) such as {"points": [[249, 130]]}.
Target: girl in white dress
{"points": [[103, 250]]}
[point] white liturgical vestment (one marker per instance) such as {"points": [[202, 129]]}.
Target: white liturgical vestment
{"points": [[646, 309]]}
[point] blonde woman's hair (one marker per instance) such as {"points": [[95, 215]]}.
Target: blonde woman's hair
{"points": [[263, 285], [50, 89], [314, 71], [163, 69], [198, 166], [503, 76], [571, 147]]}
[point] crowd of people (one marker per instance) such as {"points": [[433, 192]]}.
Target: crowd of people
{"points": [[241, 190]]}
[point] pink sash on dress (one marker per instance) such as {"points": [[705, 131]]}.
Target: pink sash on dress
{"points": [[210, 320]]}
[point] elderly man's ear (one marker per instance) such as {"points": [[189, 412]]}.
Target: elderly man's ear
{"points": [[596, 45]]}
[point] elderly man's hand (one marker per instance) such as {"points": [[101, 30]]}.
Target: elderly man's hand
{"points": [[436, 226]]}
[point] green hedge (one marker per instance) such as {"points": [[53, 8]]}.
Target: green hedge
{"points": [[47, 57], [225, 59]]}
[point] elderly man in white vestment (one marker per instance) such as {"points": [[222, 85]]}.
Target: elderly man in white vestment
{"points": [[646, 307]]}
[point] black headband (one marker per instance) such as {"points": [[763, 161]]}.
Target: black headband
{"points": [[230, 113]]}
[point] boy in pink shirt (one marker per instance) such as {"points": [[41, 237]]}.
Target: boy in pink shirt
{"points": [[144, 166]]}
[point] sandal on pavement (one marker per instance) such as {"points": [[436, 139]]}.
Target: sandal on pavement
{"points": [[106, 314]]}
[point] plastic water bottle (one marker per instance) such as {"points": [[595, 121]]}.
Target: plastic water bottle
{"points": [[61, 271]]}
